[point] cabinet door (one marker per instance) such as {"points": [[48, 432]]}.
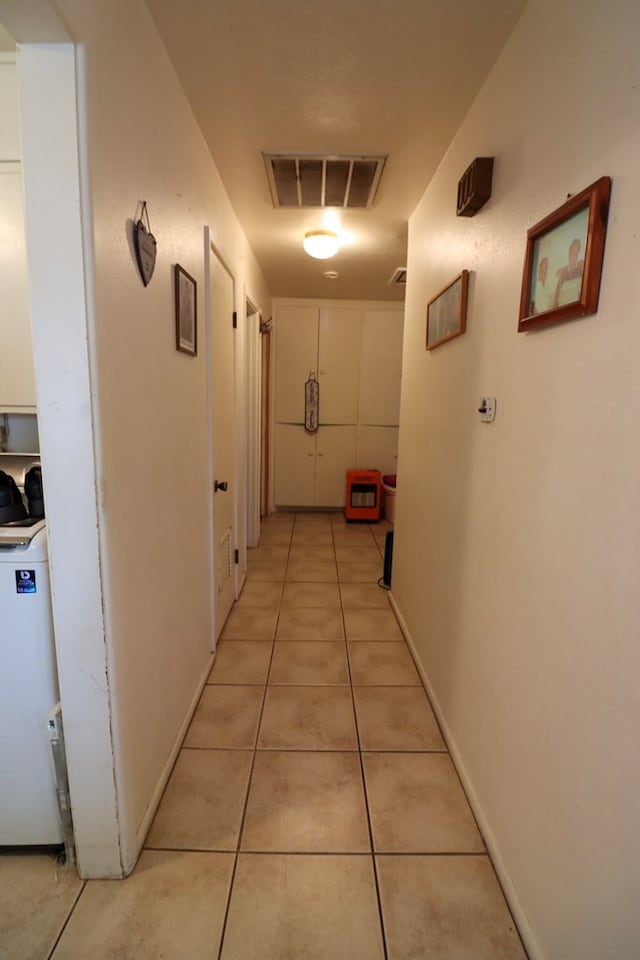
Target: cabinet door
{"points": [[336, 453], [381, 370], [339, 364], [296, 348], [378, 449], [17, 382], [10, 146], [295, 457]]}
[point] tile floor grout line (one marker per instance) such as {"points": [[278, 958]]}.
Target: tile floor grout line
{"points": [[234, 870], [288, 853], [366, 798], [236, 852], [469, 854], [84, 884]]}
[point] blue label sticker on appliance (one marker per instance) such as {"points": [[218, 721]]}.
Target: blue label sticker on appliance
{"points": [[26, 581]]}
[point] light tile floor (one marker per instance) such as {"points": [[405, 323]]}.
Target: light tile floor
{"points": [[313, 811]]}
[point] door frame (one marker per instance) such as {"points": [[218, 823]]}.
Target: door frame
{"points": [[211, 249], [253, 388], [60, 292], [265, 418]]}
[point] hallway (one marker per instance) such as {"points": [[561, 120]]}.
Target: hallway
{"points": [[307, 752]]}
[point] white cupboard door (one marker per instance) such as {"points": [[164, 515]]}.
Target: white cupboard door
{"points": [[295, 458], [336, 453], [378, 449], [381, 369], [10, 146], [296, 337], [339, 364], [17, 380]]}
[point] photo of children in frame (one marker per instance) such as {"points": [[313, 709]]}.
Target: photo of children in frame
{"points": [[558, 264]]}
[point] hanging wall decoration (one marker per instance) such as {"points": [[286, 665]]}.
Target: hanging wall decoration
{"points": [[311, 404], [184, 289], [447, 312], [144, 244], [474, 187], [563, 260]]}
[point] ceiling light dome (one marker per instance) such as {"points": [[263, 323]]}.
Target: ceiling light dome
{"points": [[321, 244]]}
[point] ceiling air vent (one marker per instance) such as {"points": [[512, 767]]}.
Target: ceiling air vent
{"points": [[399, 276], [312, 180]]}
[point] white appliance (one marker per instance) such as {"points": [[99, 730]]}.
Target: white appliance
{"points": [[28, 689]]}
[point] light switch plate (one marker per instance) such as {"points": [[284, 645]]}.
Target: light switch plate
{"points": [[487, 409]]}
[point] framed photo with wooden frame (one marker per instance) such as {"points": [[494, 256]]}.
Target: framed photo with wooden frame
{"points": [[563, 260], [186, 310], [447, 312]]}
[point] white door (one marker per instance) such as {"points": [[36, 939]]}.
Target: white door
{"points": [[222, 439]]}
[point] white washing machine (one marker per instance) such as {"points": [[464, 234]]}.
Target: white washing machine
{"points": [[28, 688]]}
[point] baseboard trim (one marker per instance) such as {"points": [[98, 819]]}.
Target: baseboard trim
{"points": [[242, 579], [156, 796], [530, 943]]}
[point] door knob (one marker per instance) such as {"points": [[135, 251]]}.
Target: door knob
{"points": [[219, 485]]}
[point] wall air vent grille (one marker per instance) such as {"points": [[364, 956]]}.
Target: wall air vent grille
{"points": [[224, 561], [399, 276], [312, 180]]}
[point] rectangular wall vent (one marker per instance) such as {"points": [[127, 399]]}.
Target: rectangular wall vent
{"points": [[311, 180], [399, 276], [224, 561]]}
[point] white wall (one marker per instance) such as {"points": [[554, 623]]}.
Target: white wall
{"points": [[139, 141], [518, 544]]}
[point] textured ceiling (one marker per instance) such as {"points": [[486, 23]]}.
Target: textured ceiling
{"points": [[332, 76], [389, 77]]}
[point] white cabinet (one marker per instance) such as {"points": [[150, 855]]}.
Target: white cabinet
{"points": [[296, 346], [378, 449], [310, 468], [339, 339], [10, 145], [323, 342], [17, 381], [335, 454], [381, 369], [355, 352], [295, 465]]}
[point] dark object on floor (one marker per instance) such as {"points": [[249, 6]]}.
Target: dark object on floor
{"points": [[388, 559]]}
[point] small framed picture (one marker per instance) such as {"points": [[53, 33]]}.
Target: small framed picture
{"points": [[447, 312], [186, 311], [563, 260]]}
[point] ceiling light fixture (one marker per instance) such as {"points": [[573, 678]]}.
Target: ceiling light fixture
{"points": [[321, 244]]}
